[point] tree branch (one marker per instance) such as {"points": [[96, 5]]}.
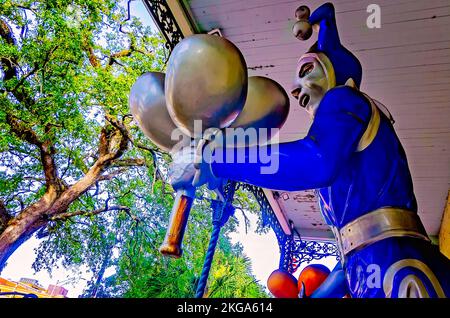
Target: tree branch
{"points": [[113, 143], [131, 162], [35, 69], [109, 154], [152, 152], [124, 164], [24, 132], [67, 215], [5, 217], [92, 58], [111, 175], [10, 70], [10, 67], [123, 53]]}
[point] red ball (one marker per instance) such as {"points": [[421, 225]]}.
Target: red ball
{"points": [[312, 277], [282, 284]]}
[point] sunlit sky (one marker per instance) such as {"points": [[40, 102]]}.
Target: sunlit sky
{"points": [[262, 249]]}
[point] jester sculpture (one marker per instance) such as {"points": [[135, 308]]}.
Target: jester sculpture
{"points": [[353, 158]]}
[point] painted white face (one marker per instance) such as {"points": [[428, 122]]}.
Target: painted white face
{"points": [[310, 84]]}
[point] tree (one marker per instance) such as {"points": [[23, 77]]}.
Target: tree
{"points": [[74, 167], [67, 68]]}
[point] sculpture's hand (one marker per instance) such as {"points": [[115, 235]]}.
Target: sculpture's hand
{"points": [[335, 286], [182, 171], [204, 173]]}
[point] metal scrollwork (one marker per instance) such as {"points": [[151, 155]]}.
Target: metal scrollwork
{"points": [[303, 251], [166, 22], [293, 250]]}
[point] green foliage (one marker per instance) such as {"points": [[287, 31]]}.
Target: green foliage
{"points": [[147, 274], [75, 68]]}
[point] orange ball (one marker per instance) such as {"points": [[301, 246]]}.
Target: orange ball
{"points": [[282, 284], [312, 277]]}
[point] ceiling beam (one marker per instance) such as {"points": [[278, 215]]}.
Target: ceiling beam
{"points": [[184, 17]]}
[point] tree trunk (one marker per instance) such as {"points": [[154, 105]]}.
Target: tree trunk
{"points": [[23, 226], [55, 201], [38, 215]]}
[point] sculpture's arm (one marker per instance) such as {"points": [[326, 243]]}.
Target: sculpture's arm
{"points": [[335, 286], [328, 35], [309, 163]]}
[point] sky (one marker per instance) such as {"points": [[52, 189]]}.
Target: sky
{"points": [[262, 249]]}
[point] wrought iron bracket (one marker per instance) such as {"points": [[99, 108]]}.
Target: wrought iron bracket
{"points": [[293, 250], [165, 20]]}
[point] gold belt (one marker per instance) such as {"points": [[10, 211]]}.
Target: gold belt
{"points": [[377, 225]]}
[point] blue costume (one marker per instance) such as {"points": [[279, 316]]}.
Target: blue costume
{"points": [[354, 159]]}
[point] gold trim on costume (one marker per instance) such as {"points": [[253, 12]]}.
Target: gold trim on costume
{"points": [[411, 285], [374, 123], [372, 127], [351, 83], [377, 225]]}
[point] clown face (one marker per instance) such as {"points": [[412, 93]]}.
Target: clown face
{"points": [[313, 79]]}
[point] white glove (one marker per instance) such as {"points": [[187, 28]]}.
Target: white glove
{"points": [[204, 173], [182, 171]]}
